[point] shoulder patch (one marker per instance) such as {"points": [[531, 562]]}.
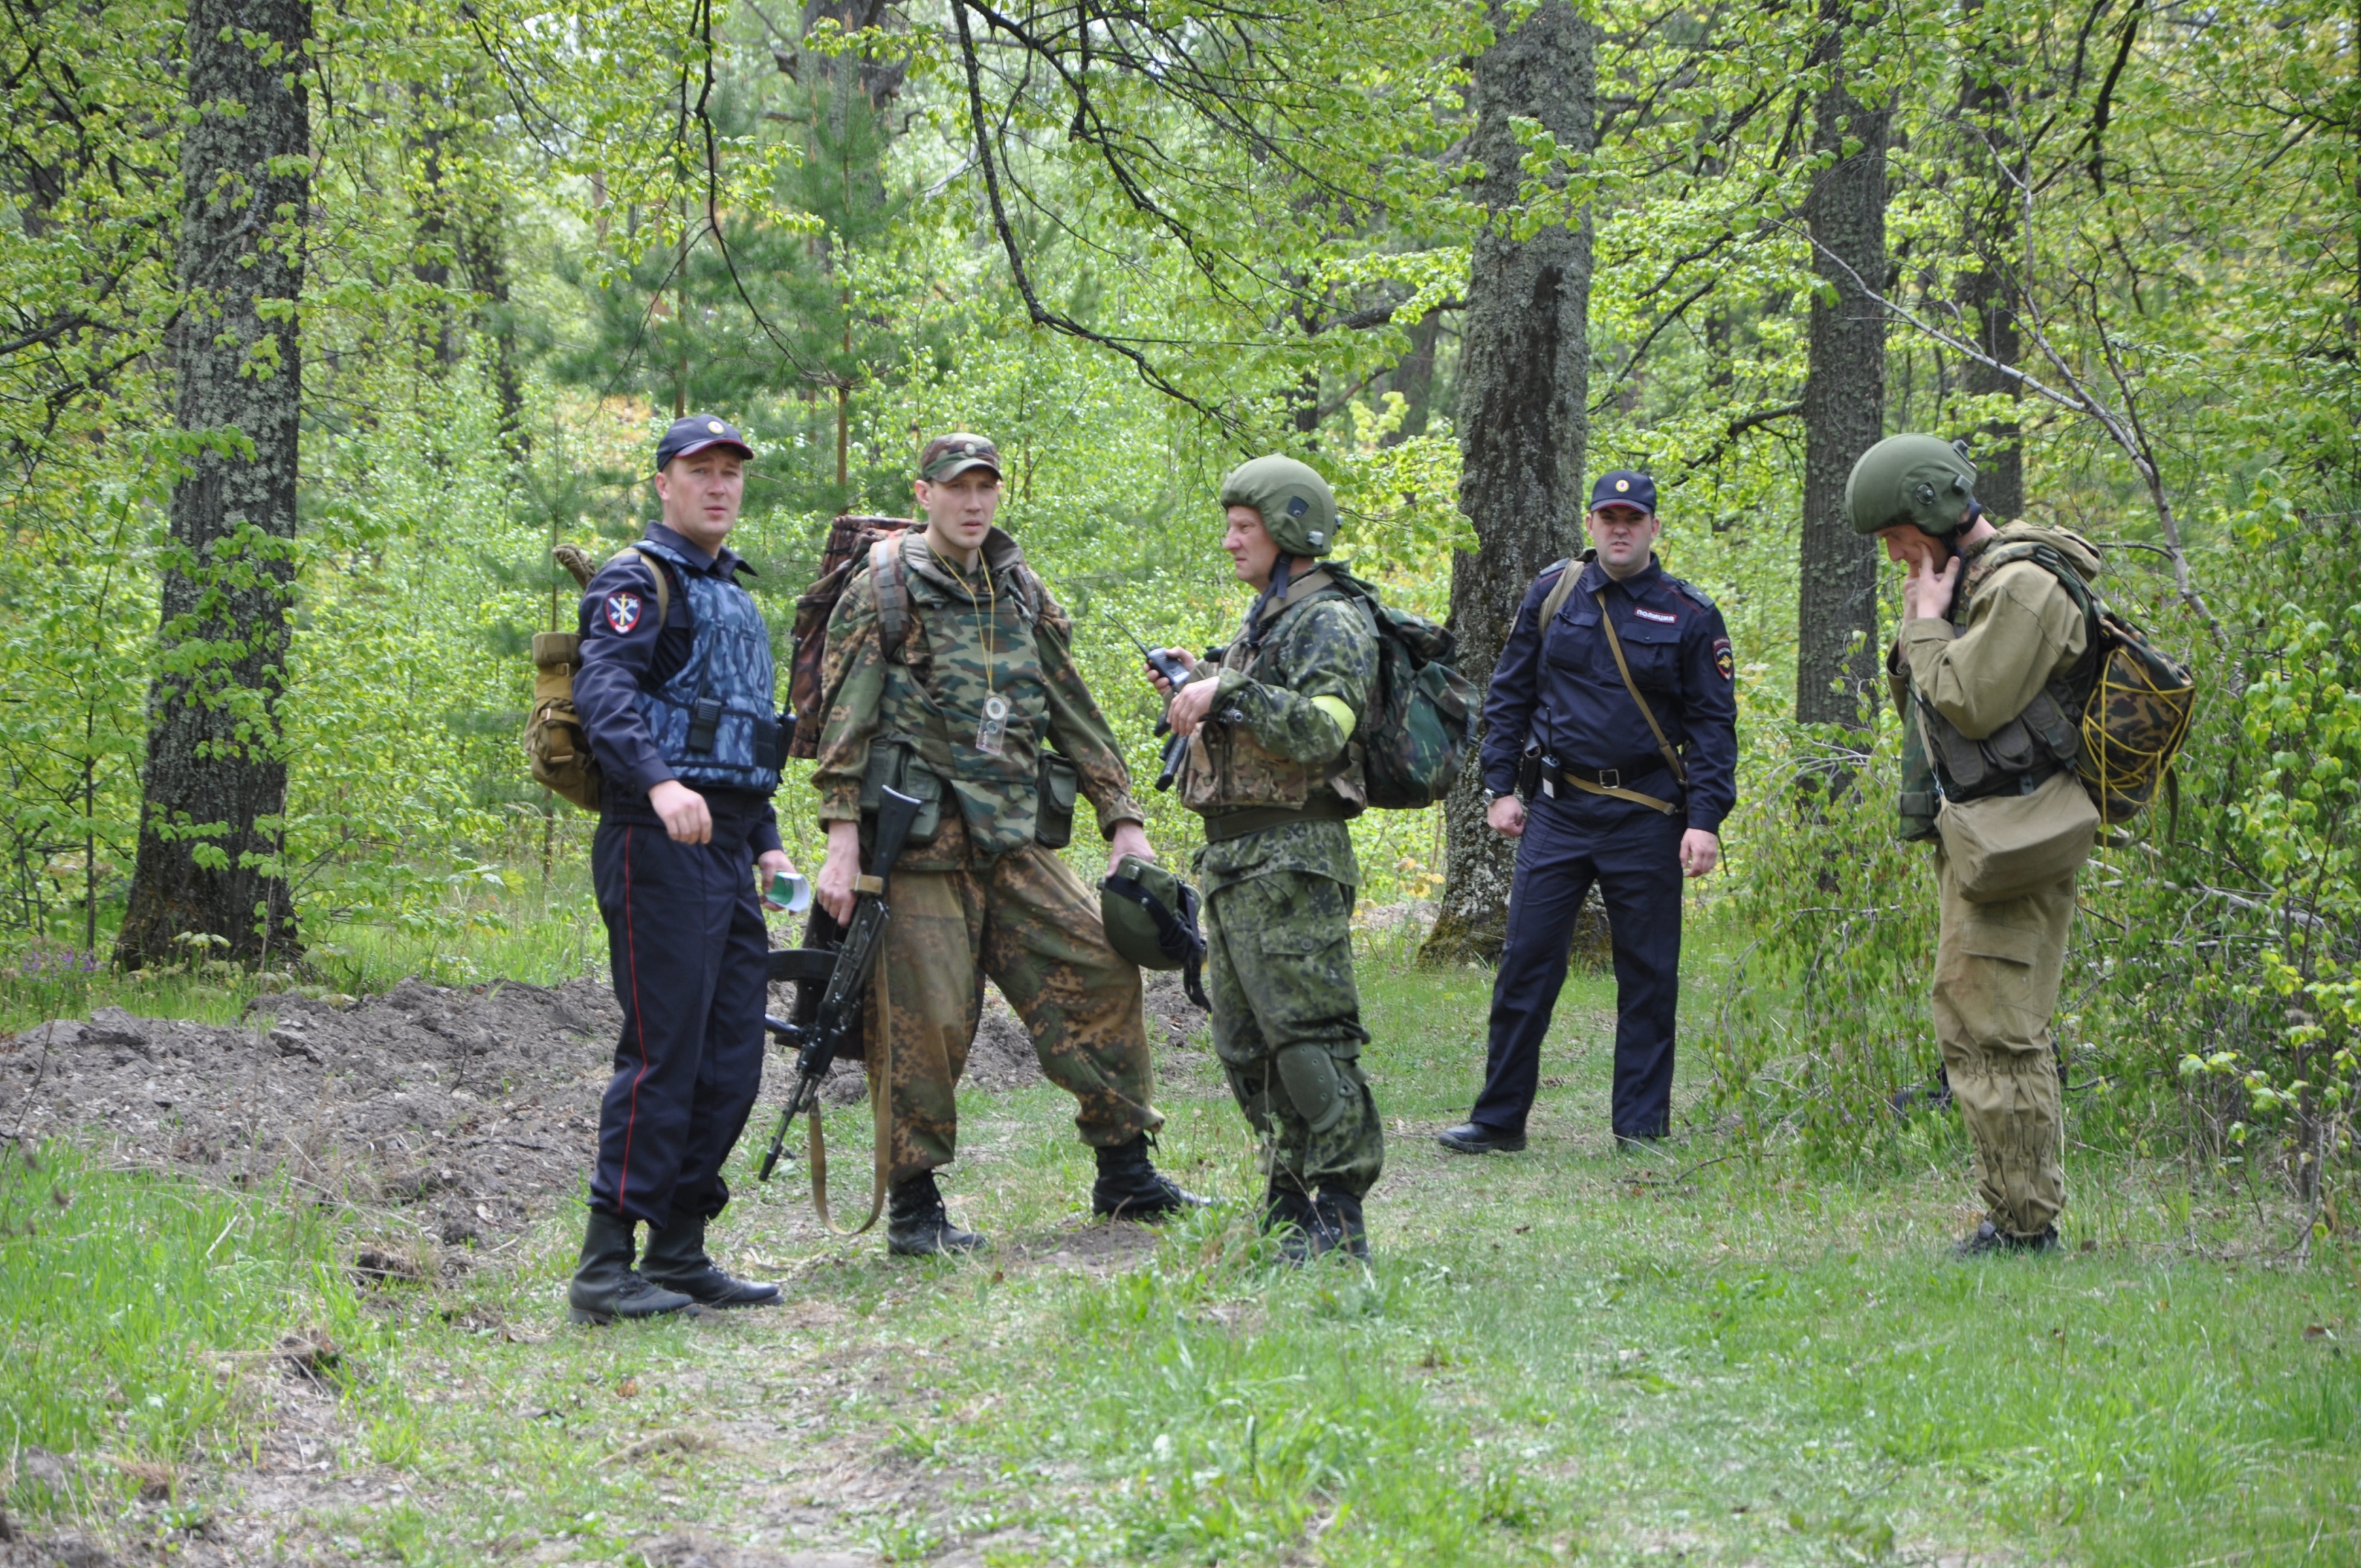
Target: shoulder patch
{"points": [[1690, 591], [623, 611]]}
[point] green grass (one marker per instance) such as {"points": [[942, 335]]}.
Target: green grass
{"points": [[1706, 1356]]}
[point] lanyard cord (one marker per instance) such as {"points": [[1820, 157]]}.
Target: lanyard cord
{"points": [[983, 626]]}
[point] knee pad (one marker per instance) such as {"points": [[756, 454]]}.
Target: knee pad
{"points": [[1309, 1075]]}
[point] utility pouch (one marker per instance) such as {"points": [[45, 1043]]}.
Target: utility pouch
{"points": [[770, 743], [895, 765], [1056, 784], [2005, 846], [704, 722], [1528, 771]]}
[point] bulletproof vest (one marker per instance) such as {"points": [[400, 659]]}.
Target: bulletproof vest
{"points": [[716, 720], [969, 671], [1228, 768], [2020, 754]]}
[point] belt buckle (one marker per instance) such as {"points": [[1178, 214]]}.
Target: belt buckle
{"points": [[1610, 778]]}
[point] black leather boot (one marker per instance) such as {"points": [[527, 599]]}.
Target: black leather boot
{"points": [[1475, 1137], [605, 1286], [1292, 1217], [917, 1225], [1340, 1224], [676, 1260], [1130, 1186], [1990, 1238]]}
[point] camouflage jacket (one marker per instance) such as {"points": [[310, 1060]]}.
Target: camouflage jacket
{"points": [[1271, 743], [994, 631]]}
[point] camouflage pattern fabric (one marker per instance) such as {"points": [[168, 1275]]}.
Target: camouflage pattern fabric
{"points": [[1026, 920], [2137, 716], [1283, 745], [1996, 975], [1278, 969], [994, 630]]}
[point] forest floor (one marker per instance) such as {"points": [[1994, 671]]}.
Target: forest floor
{"points": [[290, 1290]]}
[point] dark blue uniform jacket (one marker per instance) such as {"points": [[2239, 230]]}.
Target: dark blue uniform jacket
{"points": [[624, 652], [1559, 686]]}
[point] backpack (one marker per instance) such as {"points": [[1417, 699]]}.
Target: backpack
{"points": [[849, 542], [2133, 704], [1425, 710], [554, 743]]}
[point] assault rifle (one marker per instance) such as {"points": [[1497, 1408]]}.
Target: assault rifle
{"points": [[842, 968], [1176, 750]]}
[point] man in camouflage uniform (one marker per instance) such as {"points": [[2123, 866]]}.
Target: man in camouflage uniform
{"points": [[1990, 633], [949, 676], [1273, 767]]}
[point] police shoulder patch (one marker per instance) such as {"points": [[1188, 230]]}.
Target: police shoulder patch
{"points": [[1722, 659], [1690, 590], [623, 611]]}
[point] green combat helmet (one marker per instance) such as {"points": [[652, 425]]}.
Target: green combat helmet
{"points": [[1299, 510], [1151, 919], [1918, 479]]}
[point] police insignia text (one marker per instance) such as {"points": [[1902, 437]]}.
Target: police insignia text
{"points": [[1661, 617]]}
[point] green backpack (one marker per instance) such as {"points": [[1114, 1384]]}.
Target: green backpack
{"points": [[1416, 739]]}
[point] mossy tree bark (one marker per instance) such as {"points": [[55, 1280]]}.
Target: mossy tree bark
{"points": [[215, 785], [1844, 392], [1523, 383]]}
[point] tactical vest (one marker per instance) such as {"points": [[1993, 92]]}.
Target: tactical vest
{"points": [[956, 656], [1938, 762], [1229, 770], [716, 720]]}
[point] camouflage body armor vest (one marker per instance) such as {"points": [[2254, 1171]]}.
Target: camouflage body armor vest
{"points": [[716, 720], [1939, 764], [1229, 770]]}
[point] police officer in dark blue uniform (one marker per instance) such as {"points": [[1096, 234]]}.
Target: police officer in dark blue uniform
{"points": [[1625, 791], [678, 694]]}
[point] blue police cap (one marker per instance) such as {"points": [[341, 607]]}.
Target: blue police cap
{"points": [[1624, 487], [697, 433]]}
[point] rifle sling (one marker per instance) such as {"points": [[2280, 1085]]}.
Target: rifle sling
{"points": [[1615, 645], [879, 1067]]}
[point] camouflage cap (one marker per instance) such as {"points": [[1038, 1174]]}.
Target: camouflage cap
{"points": [[1919, 479], [1297, 509], [948, 456]]}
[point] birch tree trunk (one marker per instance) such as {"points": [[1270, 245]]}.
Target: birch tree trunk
{"points": [[1523, 382], [1844, 397], [216, 779]]}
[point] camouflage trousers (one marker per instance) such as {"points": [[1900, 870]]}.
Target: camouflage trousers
{"points": [[1026, 920], [1279, 970], [1996, 974]]}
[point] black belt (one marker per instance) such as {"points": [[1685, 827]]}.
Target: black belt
{"points": [[1254, 818]]}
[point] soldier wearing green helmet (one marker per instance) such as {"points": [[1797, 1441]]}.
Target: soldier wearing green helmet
{"points": [[1992, 644], [1273, 767]]}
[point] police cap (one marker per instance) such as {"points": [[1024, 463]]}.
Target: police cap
{"points": [[1624, 488], [1919, 479], [696, 433], [1299, 510]]}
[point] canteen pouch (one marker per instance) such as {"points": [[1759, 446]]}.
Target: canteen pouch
{"points": [[2005, 846], [894, 764], [1056, 784]]}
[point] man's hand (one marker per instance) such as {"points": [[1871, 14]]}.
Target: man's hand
{"points": [[1700, 852], [1186, 712], [684, 813], [1507, 816], [1926, 596], [1181, 656], [840, 870], [768, 864], [1130, 838]]}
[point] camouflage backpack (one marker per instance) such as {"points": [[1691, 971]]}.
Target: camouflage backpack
{"points": [[846, 552], [1424, 709], [2135, 704]]}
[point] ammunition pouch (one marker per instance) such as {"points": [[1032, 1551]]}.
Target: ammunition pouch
{"points": [[1058, 781], [2011, 760], [894, 764]]}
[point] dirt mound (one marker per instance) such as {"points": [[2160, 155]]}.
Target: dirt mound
{"points": [[472, 1107]]}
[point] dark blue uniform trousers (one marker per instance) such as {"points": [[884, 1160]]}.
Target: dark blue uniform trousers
{"points": [[686, 938], [1633, 854]]}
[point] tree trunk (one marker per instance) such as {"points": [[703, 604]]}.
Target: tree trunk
{"points": [[1413, 378], [1523, 380], [216, 781], [1989, 292], [1844, 399]]}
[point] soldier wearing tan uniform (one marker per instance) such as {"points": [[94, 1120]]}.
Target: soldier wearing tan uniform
{"points": [[949, 676], [1986, 669]]}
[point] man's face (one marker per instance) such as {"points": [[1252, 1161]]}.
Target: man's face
{"points": [[1913, 546], [702, 493], [960, 508], [1252, 549], [1625, 536]]}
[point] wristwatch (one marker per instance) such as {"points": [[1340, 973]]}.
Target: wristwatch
{"points": [[1490, 794]]}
